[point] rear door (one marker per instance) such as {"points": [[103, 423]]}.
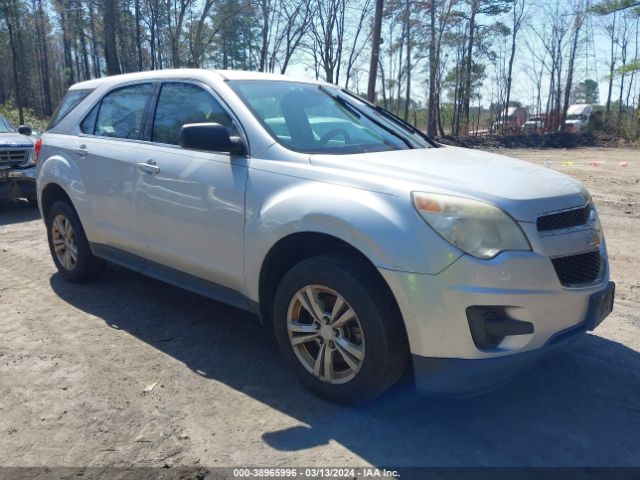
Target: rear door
{"points": [[107, 155], [190, 204]]}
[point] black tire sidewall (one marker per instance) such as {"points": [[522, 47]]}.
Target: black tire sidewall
{"points": [[351, 280], [85, 267]]}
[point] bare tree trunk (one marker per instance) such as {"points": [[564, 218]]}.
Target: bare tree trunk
{"points": [[572, 56], [86, 71], [612, 65], [433, 65], [138, 33], [266, 7], [43, 47], [110, 51], [9, 17], [384, 87], [66, 43], [95, 59], [517, 20], [408, 63], [375, 51], [466, 97]]}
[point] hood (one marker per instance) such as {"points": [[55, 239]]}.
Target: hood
{"points": [[13, 139], [521, 188]]}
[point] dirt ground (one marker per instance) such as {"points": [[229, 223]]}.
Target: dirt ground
{"points": [[129, 371]]}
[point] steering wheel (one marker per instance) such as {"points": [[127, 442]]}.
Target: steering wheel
{"points": [[334, 132]]}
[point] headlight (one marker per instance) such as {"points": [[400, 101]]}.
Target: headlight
{"points": [[477, 228]]}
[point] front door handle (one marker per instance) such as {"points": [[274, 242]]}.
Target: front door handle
{"points": [[149, 166], [82, 150]]}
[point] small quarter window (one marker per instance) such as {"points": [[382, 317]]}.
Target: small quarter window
{"points": [[121, 113], [88, 125]]}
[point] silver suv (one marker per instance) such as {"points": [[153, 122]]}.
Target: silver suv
{"points": [[363, 243]]}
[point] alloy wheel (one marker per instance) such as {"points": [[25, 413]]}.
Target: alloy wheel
{"points": [[64, 242], [325, 334]]}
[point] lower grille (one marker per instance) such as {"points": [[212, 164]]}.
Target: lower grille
{"points": [[578, 269], [14, 157], [566, 219]]}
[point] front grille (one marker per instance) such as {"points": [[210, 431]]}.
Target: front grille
{"points": [[14, 157], [578, 269], [566, 219]]}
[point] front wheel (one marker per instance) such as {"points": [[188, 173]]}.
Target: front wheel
{"points": [[339, 328]]}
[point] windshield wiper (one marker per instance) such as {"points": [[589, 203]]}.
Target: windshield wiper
{"points": [[352, 108], [392, 116]]}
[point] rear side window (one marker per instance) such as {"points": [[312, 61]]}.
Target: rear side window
{"points": [[183, 103], [121, 113], [70, 101]]}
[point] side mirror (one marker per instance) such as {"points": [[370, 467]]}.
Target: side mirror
{"points": [[211, 137], [24, 130]]}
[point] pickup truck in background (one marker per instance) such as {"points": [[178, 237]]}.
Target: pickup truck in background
{"points": [[17, 163]]}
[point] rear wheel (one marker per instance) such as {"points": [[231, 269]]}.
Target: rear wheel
{"points": [[69, 246], [339, 329]]}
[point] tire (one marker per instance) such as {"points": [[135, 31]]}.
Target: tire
{"points": [[375, 334], [85, 266]]}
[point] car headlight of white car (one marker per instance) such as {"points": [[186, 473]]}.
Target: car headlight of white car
{"points": [[477, 228]]}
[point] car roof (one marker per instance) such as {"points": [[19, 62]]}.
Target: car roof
{"points": [[185, 73]]}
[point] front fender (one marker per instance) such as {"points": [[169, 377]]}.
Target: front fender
{"points": [[383, 227]]}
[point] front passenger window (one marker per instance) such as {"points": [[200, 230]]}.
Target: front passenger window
{"points": [[183, 103], [121, 113]]}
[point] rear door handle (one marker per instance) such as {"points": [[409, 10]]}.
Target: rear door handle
{"points": [[82, 150], [149, 166]]}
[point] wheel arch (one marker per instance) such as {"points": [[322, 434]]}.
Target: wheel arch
{"points": [[296, 247], [51, 193]]}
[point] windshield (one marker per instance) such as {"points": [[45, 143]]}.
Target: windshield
{"points": [[323, 119], [5, 126], [575, 116]]}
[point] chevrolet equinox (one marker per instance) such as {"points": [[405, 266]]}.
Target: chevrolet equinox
{"points": [[364, 244]]}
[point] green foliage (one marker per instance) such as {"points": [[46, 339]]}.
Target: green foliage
{"points": [[605, 7], [586, 92], [10, 112], [478, 75], [236, 31], [633, 66]]}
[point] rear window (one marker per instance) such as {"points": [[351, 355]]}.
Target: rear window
{"points": [[70, 101]]}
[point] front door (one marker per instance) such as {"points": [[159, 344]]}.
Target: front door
{"points": [[190, 204]]}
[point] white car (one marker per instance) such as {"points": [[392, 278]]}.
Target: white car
{"points": [[364, 244]]}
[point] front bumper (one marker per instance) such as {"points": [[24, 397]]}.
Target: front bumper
{"points": [[20, 183], [434, 307]]}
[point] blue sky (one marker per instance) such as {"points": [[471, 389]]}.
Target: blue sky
{"points": [[591, 62]]}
